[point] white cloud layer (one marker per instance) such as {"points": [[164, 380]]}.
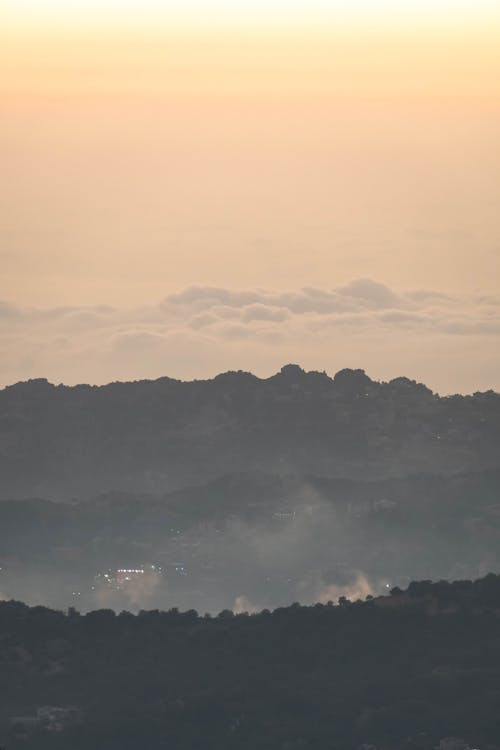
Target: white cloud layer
{"points": [[450, 342]]}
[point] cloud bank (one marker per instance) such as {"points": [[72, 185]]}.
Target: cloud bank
{"points": [[448, 341]]}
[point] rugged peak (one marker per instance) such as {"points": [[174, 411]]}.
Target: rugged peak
{"points": [[352, 380], [403, 384], [292, 372], [34, 385]]}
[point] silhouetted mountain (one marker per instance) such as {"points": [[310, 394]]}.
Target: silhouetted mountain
{"points": [[155, 436], [409, 671]]}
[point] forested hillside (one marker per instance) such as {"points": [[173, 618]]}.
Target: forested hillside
{"points": [[402, 672]]}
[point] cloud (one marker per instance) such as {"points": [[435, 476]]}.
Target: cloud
{"points": [[372, 293], [202, 330], [359, 294], [259, 311], [8, 311], [201, 297]]}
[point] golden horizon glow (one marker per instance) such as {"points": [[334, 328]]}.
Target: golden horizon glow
{"points": [[151, 146], [205, 14], [162, 63], [345, 48]]}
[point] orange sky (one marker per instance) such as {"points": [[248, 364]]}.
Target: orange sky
{"points": [[145, 152]]}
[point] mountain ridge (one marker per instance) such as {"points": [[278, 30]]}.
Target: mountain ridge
{"points": [[160, 435], [290, 372]]}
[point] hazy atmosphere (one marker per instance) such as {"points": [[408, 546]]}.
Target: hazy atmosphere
{"points": [[277, 152], [249, 374]]}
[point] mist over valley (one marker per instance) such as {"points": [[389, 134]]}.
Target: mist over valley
{"points": [[241, 493]]}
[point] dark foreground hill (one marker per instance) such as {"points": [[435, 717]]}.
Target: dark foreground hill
{"points": [[58, 441], [405, 672]]}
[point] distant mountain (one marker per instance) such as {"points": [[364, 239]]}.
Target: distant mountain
{"points": [[156, 436]]}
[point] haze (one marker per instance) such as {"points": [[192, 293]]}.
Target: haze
{"points": [[161, 162]]}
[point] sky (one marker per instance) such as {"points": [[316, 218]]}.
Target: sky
{"points": [[190, 187]]}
